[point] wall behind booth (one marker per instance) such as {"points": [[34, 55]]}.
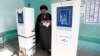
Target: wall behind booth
{"points": [[8, 17], [89, 37], [36, 5]]}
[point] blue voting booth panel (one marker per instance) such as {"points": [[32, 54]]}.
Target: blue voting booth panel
{"points": [[20, 18], [64, 16]]}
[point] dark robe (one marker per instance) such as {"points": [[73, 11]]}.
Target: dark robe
{"points": [[43, 33]]}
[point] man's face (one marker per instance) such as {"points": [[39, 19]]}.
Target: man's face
{"points": [[43, 11]]}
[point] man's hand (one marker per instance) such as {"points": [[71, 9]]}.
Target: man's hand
{"points": [[48, 21], [42, 21]]}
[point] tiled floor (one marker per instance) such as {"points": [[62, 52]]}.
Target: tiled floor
{"points": [[40, 52], [81, 52], [84, 52]]}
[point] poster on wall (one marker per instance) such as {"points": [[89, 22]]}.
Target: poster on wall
{"points": [[91, 11], [64, 16]]}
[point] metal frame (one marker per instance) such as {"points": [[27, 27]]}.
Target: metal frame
{"points": [[2, 36]]}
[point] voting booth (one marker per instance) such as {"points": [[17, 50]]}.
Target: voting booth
{"points": [[26, 30], [65, 28]]}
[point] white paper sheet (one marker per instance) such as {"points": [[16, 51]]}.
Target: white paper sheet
{"points": [[46, 24]]}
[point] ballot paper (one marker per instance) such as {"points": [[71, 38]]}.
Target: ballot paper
{"points": [[46, 24]]}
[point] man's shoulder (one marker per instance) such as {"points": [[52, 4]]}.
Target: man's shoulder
{"points": [[39, 15], [49, 14]]}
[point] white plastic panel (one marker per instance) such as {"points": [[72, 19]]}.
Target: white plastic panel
{"points": [[26, 43], [65, 28], [25, 21]]}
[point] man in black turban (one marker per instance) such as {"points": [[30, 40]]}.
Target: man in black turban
{"points": [[43, 33]]}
